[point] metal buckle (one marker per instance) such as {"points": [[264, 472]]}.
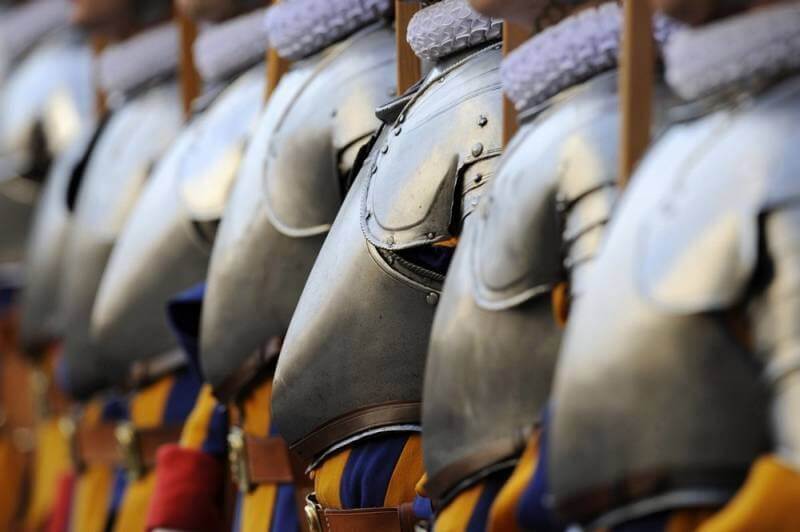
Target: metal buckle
{"points": [[237, 458], [312, 511], [128, 442]]}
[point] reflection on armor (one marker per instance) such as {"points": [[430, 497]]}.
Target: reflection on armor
{"points": [[164, 248], [682, 257], [44, 107], [288, 193], [366, 311], [135, 136]]}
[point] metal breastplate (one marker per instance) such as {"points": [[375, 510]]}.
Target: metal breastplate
{"points": [[133, 140], [288, 193], [165, 245], [41, 312], [495, 342], [656, 402], [45, 105], [354, 354]]}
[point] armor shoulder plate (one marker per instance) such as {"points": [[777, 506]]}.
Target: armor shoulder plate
{"points": [[334, 110], [133, 140], [491, 333], [700, 246], [412, 204], [288, 193], [680, 254], [518, 249], [365, 313], [162, 249]]}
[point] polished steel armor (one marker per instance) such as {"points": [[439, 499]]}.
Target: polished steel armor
{"points": [[134, 138], [44, 106], [42, 319], [356, 345], [494, 341], [288, 193], [661, 393], [165, 245]]}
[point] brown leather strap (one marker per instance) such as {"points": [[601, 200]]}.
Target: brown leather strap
{"points": [[99, 444], [150, 440], [399, 413], [368, 520], [268, 460], [250, 372], [146, 372]]}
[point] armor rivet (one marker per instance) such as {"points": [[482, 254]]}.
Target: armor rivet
{"points": [[432, 298], [474, 202], [479, 178], [385, 148], [482, 120], [397, 131], [477, 149], [401, 118], [430, 236]]}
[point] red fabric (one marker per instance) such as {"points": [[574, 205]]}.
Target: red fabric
{"points": [[188, 492], [59, 521]]}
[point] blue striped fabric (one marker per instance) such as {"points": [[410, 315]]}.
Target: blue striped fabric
{"points": [[480, 513], [369, 470]]}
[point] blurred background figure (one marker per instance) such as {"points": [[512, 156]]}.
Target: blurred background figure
{"points": [[46, 105]]}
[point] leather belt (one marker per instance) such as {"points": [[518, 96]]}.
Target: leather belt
{"points": [[257, 460], [401, 519], [250, 372], [121, 445], [146, 372]]}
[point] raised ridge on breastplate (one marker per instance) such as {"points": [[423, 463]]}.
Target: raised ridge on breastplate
{"points": [[329, 126], [162, 250], [287, 193], [413, 204], [136, 136], [576, 154]]}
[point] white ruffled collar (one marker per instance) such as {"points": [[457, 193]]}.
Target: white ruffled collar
{"points": [[734, 52], [22, 26], [231, 46], [450, 26], [301, 28], [134, 62]]}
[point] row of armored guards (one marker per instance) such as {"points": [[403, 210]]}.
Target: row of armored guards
{"points": [[352, 305]]}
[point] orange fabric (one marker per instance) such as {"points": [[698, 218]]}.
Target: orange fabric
{"points": [[11, 481], [258, 506], [93, 486], [456, 516], [50, 462], [328, 479], [147, 410], [407, 473], [503, 513], [195, 430], [688, 520], [769, 500]]}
